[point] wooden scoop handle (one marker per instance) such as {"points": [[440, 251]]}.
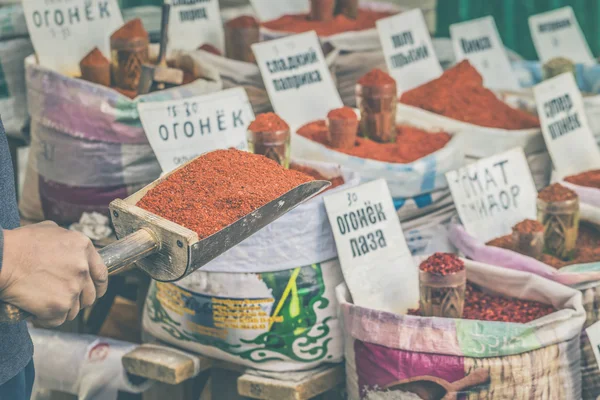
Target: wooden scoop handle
{"points": [[117, 257]]}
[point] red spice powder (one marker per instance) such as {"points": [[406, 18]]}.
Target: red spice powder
{"points": [[335, 181], [342, 113], [376, 77], [529, 226], [556, 192], [244, 21], [298, 23], [442, 264], [130, 30], [132, 94], [588, 179], [411, 143], [94, 58], [210, 48], [459, 94], [219, 188], [268, 122]]}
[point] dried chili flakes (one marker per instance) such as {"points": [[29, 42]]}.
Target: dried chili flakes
{"points": [[219, 188], [442, 264], [587, 178], [529, 226], [556, 192]]}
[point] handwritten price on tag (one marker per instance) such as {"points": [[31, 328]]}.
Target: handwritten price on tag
{"points": [[188, 109]]}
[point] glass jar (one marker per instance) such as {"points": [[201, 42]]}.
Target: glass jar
{"points": [[128, 56], [239, 41], [341, 132], [377, 105], [273, 145], [442, 295], [561, 226], [530, 244]]}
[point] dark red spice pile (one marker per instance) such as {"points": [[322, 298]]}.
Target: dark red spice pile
{"points": [[268, 122], [210, 48], [342, 113], [556, 192], [529, 226], [298, 23], [335, 182], [459, 94], [587, 178], [244, 21], [442, 264], [411, 143], [376, 77], [482, 306], [95, 58], [219, 188]]}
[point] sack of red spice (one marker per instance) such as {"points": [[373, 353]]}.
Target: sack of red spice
{"points": [[433, 356], [289, 270], [87, 142]]}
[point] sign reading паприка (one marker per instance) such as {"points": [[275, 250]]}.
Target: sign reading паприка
{"points": [[557, 33], [493, 194], [479, 42], [193, 23], [64, 31], [408, 50], [376, 262], [181, 130], [568, 137], [297, 78], [267, 10]]}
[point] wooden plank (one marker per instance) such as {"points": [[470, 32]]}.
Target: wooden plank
{"points": [[258, 387], [162, 364]]}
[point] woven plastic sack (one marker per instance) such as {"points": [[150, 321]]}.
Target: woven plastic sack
{"points": [[282, 279], [429, 233], [468, 359], [87, 143], [12, 20]]}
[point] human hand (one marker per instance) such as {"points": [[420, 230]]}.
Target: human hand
{"points": [[51, 272]]}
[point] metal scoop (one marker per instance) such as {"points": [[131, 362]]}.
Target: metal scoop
{"points": [[167, 251]]}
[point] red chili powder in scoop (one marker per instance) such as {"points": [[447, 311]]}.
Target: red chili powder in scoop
{"points": [[94, 58], [459, 94], [244, 21], [556, 192], [342, 113], [268, 122], [376, 77], [219, 188], [210, 48], [335, 181], [130, 30], [442, 264], [411, 143], [588, 179], [529, 226], [298, 23]]}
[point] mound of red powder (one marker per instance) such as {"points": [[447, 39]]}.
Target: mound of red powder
{"points": [[587, 178], [335, 182]]}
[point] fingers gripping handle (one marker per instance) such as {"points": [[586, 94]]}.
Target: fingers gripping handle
{"points": [[116, 256]]}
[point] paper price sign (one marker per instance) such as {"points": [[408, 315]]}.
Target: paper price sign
{"points": [[408, 50], [64, 31], [181, 130], [493, 194], [297, 78], [376, 262], [193, 23], [479, 42], [267, 10], [567, 134], [557, 34]]}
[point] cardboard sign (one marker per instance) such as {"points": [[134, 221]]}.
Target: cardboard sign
{"points": [[494, 194], [408, 50], [593, 334], [557, 34], [193, 23], [64, 31], [297, 78], [567, 134], [376, 262], [180, 130], [267, 10], [479, 42]]}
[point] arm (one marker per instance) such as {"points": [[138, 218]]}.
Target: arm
{"points": [[50, 272]]}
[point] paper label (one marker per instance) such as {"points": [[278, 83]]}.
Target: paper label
{"points": [[376, 262], [479, 42], [567, 134], [408, 50], [494, 194], [297, 78], [193, 23], [267, 10], [65, 31], [181, 130], [593, 334], [557, 33]]}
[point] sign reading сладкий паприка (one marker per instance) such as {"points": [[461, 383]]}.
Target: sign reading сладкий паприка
{"points": [[493, 194], [181, 130], [296, 77], [557, 33], [64, 31], [479, 42], [567, 134], [193, 23], [376, 262], [408, 50]]}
